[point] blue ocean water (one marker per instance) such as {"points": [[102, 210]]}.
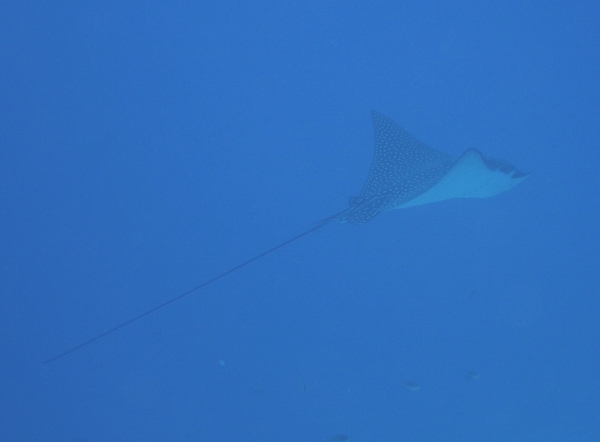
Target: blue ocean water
{"points": [[148, 146]]}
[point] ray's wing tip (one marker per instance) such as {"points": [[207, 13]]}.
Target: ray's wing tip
{"points": [[380, 120], [376, 114]]}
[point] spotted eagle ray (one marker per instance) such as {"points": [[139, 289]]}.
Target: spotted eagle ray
{"points": [[404, 173]]}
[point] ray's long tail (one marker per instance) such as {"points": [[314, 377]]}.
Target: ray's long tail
{"points": [[317, 226]]}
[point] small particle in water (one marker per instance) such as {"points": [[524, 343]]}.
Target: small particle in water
{"points": [[339, 438], [221, 362], [412, 385], [472, 375]]}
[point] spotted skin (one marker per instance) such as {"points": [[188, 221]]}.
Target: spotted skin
{"points": [[403, 168], [406, 172]]}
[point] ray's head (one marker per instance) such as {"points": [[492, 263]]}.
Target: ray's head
{"points": [[512, 175]]}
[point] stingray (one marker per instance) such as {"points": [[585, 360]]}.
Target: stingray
{"points": [[404, 173]]}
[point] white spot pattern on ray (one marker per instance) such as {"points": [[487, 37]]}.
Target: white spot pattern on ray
{"points": [[398, 157]]}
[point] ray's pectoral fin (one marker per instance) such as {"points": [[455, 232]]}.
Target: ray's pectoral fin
{"points": [[471, 176]]}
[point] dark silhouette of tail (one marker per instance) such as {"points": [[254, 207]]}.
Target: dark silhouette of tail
{"points": [[317, 226]]}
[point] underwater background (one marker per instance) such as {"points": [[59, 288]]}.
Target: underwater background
{"points": [[146, 147]]}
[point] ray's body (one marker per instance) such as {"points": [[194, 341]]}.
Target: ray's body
{"points": [[405, 173]]}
